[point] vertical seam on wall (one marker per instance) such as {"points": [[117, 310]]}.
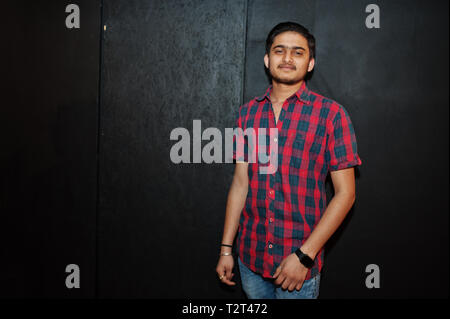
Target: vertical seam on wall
{"points": [[244, 64], [313, 31], [99, 131]]}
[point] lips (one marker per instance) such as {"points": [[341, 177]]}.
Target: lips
{"points": [[286, 67]]}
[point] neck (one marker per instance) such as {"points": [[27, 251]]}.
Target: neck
{"points": [[281, 91]]}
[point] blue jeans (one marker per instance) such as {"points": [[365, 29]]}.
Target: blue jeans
{"points": [[257, 287]]}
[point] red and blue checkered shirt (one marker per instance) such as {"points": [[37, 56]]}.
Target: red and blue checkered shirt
{"points": [[315, 136]]}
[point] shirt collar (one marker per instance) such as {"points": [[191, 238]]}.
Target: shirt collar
{"points": [[303, 94]]}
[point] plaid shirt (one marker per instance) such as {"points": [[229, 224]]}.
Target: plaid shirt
{"points": [[315, 136]]}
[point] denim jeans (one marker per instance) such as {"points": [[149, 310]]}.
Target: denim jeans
{"points": [[257, 287]]}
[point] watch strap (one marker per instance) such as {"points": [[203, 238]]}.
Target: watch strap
{"points": [[304, 259]]}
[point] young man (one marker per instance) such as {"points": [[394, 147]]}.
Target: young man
{"points": [[285, 222]]}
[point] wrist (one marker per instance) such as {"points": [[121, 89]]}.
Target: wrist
{"points": [[309, 252], [227, 254], [304, 259], [224, 250]]}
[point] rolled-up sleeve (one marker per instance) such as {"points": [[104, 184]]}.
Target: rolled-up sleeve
{"points": [[341, 146]]}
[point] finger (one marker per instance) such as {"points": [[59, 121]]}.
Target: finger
{"points": [[299, 285], [225, 280], [277, 272], [292, 286], [228, 282], [228, 272], [221, 270], [221, 274], [286, 284], [227, 277], [280, 279]]}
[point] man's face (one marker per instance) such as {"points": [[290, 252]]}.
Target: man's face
{"points": [[288, 61]]}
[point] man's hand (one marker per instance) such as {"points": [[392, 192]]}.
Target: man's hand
{"points": [[224, 270], [291, 273]]}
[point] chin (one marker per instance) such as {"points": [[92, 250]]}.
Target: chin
{"points": [[286, 80]]}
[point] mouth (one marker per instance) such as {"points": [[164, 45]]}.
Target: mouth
{"points": [[286, 67]]}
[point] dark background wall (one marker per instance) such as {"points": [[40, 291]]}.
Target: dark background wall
{"points": [[49, 116], [87, 119]]}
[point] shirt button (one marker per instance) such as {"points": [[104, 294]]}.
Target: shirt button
{"points": [[270, 246], [271, 192], [270, 219], [275, 139]]}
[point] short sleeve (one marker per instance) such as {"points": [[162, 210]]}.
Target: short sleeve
{"points": [[341, 146], [240, 143]]}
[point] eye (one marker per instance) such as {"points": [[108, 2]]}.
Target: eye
{"points": [[299, 53]]}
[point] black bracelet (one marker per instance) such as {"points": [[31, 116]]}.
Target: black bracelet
{"points": [[227, 245], [304, 259]]}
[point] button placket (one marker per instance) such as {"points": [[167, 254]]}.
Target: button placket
{"points": [[270, 231]]}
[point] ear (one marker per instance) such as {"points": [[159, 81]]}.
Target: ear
{"points": [[266, 60], [311, 64]]}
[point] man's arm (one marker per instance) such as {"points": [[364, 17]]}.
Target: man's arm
{"points": [[343, 199], [235, 203], [291, 273]]}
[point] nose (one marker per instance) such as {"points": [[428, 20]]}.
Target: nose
{"points": [[287, 57]]}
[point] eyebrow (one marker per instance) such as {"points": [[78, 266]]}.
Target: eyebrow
{"points": [[286, 47]]}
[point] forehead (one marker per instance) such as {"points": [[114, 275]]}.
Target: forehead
{"points": [[290, 38]]}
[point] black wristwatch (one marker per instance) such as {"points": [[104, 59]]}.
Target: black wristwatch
{"points": [[304, 259]]}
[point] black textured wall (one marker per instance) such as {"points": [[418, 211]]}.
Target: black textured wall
{"points": [[166, 63], [87, 117], [48, 150]]}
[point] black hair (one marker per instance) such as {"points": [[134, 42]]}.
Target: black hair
{"points": [[292, 26]]}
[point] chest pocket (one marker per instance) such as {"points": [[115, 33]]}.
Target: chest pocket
{"points": [[293, 142], [288, 137]]}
